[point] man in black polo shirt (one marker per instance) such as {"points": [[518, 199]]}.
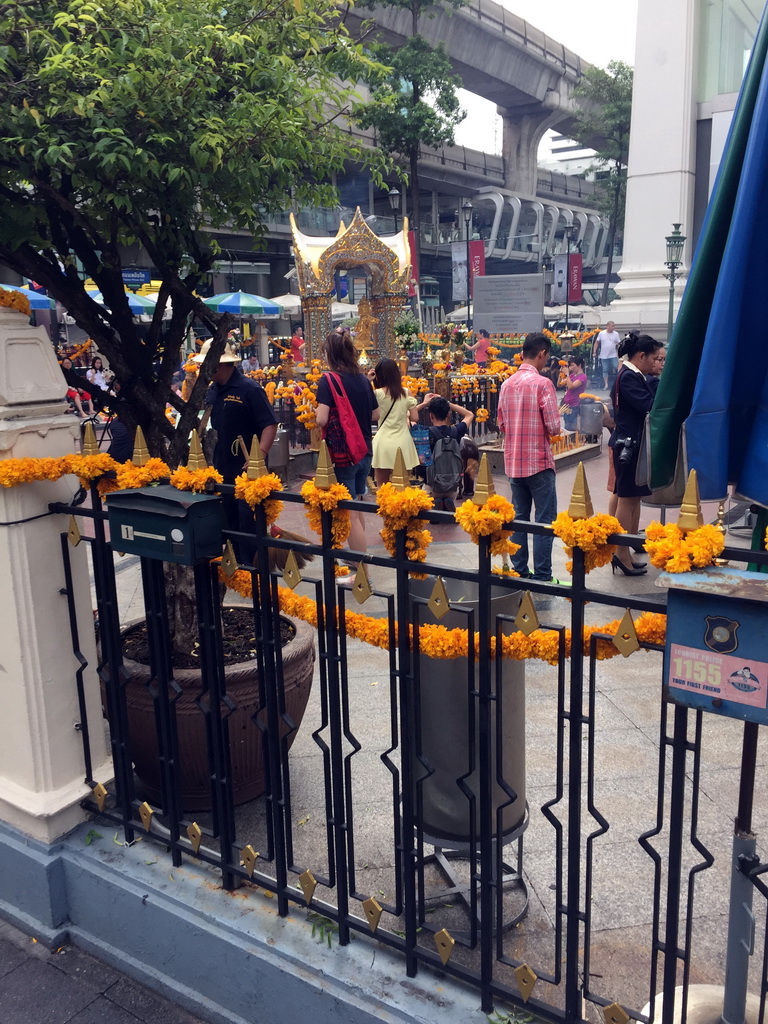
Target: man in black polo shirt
{"points": [[239, 408]]}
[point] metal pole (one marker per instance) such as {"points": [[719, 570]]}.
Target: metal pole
{"points": [[741, 920], [671, 318], [567, 277]]}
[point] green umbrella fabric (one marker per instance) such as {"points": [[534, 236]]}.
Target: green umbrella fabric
{"points": [[678, 382], [244, 304]]}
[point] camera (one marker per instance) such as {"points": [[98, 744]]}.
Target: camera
{"points": [[624, 448]]}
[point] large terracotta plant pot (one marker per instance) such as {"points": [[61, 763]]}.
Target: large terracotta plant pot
{"points": [[245, 737]]}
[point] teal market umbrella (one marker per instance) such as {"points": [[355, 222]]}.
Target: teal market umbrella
{"points": [[36, 299], [243, 304], [137, 303]]}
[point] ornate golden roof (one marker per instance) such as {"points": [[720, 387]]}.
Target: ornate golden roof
{"points": [[317, 259]]}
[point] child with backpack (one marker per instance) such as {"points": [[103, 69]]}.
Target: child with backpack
{"points": [[447, 469]]}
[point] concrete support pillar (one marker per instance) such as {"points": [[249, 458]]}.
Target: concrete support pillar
{"points": [[41, 752], [662, 152], [523, 131]]}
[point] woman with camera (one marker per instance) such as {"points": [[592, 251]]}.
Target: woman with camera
{"points": [[632, 398]]}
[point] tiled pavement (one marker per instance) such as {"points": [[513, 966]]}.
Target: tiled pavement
{"points": [[67, 986]]}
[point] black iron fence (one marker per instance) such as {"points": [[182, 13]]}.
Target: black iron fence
{"points": [[547, 830]]}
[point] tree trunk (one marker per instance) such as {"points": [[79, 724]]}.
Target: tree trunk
{"points": [[611, 237], [182, 607]]}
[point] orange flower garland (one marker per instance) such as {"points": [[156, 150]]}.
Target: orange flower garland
{"points": [[400, 510], [487, 521], [591, 535], [439, 642], [15, 300], [257, 492], [674, 550], [481, 415], [184, 479], [327, 499]]}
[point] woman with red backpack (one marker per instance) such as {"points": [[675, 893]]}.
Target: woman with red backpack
{"points": [[346, 408]]}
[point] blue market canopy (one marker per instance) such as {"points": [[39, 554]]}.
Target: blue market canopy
{"points": [[36, 299], [243, 304]]}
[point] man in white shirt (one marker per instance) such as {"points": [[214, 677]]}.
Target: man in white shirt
{"points": [[606, 349]]}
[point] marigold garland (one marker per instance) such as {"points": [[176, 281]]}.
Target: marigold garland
{"points": [[327, 499], [481, 415], [15, 300], [400, 511], [675, 550], [257, 492], [185, 479], [591, 535], [487, 521], [436, 641]]}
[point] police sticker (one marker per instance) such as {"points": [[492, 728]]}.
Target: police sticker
{"points": [[720, 634]]}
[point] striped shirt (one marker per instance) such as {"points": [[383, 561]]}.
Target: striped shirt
{"points": [[528, 415]]}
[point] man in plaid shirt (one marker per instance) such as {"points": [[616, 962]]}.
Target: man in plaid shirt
{"points": [[528, 417]]}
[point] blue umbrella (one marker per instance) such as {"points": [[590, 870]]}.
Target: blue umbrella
{"points": [[243, 304], [36, 299], [137, 303]]}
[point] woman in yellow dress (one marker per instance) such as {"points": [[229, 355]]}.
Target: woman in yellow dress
{"points": [[397, 410]]}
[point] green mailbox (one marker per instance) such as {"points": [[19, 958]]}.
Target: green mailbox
{"points": [[162, 522]]}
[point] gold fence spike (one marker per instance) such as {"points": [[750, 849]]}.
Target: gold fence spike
{"points": [[526, 978], [445, 943], [195, 835], [196, 458], [615, 1014], [690, 511], [581, 500], [100, 794], [373, 912], [438, 602], [400, 477], [527, 620], [484, 484], [140, 455], [229, 561], [73, 533], [146, 813], [362, 588], [291, 574], [308, 884], [90, 444], [256, 464], [324, 475], [625, 641], [249, 857]]}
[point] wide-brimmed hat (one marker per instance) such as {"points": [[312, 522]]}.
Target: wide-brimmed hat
{"points": [[227, 356]]}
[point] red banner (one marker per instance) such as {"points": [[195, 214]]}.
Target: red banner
{"points": [[574, 277], [477, 261]]}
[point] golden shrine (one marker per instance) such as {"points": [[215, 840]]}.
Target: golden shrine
{"points": [[387, 263]]}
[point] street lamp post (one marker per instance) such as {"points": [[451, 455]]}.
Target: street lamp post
{"points": [[675, 243], [466, 209], [394, 202], [547, 268]]}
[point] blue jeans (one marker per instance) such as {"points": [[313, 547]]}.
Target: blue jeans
{"points": [[610, 368], [354, 477], [538, 490]]}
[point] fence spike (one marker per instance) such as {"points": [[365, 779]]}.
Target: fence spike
{"points": [[581, 500], [324, 475], [257, 465], [690, 511], [196, 458], [484, 488], [90, 444], [399, 478], [140, 455]]}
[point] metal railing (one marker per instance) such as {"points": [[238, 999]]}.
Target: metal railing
{"points": [[589, 858]]}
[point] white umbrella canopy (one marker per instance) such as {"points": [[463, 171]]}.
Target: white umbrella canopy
{"points": [[291, 303], [343, 310]]}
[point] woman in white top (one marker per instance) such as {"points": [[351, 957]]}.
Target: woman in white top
{"points": [[96, 374]]}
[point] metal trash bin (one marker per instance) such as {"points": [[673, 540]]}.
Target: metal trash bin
{"points": [[591, 417], [279, 452], [444, 693]]}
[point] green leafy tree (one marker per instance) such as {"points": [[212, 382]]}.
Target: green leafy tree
{"points": [[153, 123], [602, 124], [414, 102]]}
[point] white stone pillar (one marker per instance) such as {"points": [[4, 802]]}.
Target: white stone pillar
{"points": [[661, 159], [41, 752]]}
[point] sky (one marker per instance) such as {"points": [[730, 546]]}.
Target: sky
{"points": [[597, 30]]}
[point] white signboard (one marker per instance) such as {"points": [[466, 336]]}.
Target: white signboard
{"points": [[508, 304]]}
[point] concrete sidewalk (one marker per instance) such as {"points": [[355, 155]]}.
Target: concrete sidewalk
{"points": [[68, 986]]}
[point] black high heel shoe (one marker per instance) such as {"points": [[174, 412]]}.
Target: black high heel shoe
{"points": [[640, 565], [616, 563]]}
